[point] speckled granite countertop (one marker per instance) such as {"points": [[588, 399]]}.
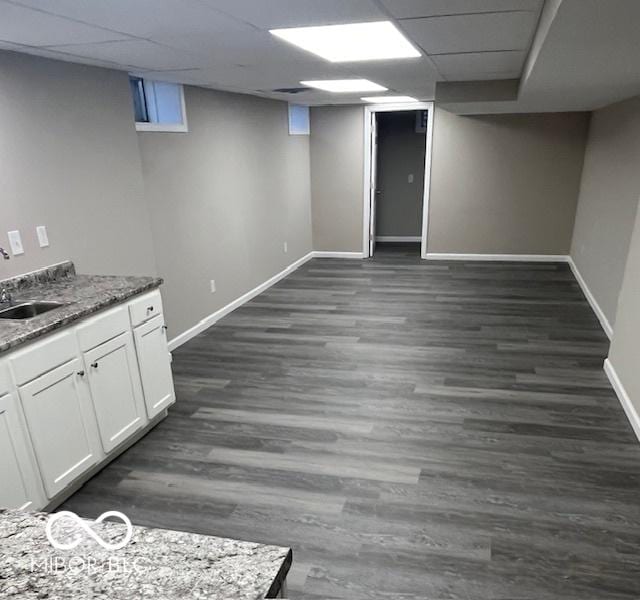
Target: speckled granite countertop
{"points": [[156, 563], [82, 295]]}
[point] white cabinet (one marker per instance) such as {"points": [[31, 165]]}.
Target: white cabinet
{"points": [[112, 373], [61, 425], [154, 360], [70, 401], [19, 482]]}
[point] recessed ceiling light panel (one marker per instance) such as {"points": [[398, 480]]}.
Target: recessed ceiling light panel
{"points": [[345, 85], [388, 99], [353, 42]]}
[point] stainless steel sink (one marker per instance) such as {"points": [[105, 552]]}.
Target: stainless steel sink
{"points": [[28, 310]]}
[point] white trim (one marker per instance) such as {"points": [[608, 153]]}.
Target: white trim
{"points": [[604, 322], [500, 257], [427, 181], [369, 110], [225, 310], [591, 299], [323, 254], [398, 238], [625, 400], [166, 127]]}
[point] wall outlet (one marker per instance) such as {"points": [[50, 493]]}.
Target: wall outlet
{"points": [[286, 248], [43, 238], [213, 286], [16, 242]]}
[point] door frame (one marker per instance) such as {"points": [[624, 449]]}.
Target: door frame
{"points": [[369, 114]]}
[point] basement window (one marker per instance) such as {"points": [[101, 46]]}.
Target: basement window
{"points": [[299, 120], [158, 105]]}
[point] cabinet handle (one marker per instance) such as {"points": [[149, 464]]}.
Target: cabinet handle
{"points": [[94, 365], [80, 373]]}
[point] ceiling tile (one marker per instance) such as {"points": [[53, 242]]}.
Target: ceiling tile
{"points": [[55, 55], [480, 65], [405, 9], [398, 75], [253, 47], [267, 77], [137, 53], [473, 33], [148, 19], [271, 14], [35, 28]]}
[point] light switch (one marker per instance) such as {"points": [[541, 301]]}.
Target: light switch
{"points": [[410, 178], [16, 242], [286, 247], [43, 238]]}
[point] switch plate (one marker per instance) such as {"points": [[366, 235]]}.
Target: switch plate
{"points": [[286, 248], [410, 178], [16, 242], [213, 286], [43, 238]]}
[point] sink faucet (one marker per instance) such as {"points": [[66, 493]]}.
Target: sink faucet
{"points": [[5, 296], [5, 254]]}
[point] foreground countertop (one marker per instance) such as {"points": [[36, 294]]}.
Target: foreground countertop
{"points": [[156, 563], [82, 295]]}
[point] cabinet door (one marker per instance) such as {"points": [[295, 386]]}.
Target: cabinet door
{"points": [[20, 486], [155, 365], [62, 425], [112, 372]]}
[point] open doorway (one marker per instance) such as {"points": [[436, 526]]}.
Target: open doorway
{"points": [[398, 142]]}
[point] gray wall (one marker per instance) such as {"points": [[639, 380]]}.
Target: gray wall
{"points": [[69, 160], [625, 348], [400, 153], [608, 201], [505, 184], [337, 164], [223, 199]]}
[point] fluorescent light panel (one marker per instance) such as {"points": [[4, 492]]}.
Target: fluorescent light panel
{"points": [[353, 42], [345, 85], [388, 99]]}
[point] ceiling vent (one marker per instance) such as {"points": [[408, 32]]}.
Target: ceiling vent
{"points": [[294, 90]]}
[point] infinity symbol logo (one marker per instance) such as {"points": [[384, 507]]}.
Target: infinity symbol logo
{"points": [[86, 527]]}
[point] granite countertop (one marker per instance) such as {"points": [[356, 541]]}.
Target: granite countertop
{"points": [[82, 295], [156, 563]]}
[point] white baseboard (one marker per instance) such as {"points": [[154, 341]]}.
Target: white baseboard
{"points": [[604, 322], [225, 310], [629, 408], [398, 238], [323, 254], [500, 257], [591, 299]]}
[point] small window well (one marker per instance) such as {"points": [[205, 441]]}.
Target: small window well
{"points": [[158, 105], [299, 120]]}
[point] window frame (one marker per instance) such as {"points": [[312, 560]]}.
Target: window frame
{"points": [[291, 106], [164, 127]]}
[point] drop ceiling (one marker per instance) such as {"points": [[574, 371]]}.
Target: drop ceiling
{"points": [[225, 44]]}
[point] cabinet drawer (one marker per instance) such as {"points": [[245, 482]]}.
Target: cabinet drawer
{"points": [[102, 328], [43, 356], [144, 308]]}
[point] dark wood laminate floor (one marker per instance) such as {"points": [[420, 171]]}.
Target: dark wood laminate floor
{"points": [[413, 430]]}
